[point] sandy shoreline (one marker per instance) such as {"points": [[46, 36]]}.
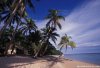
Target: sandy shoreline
{"points": [[44, 62]]}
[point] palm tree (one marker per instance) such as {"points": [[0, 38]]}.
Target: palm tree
{"points": [[54, 18], [13, 7], [49, 34], [35, 38], [13, 11], [7, 36], [65, 42], [5, 40], [28, 26], [18, 38], [16, 21], [31, 34]]}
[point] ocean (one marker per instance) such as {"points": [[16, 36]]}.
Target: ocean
{"points": [[85, 57]]}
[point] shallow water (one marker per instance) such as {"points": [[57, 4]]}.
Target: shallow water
{"points": [[89, 57]]}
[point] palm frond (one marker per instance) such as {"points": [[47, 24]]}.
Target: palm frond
{"points": [[72, 44], [59, 25], [30, 4], [3, 18], [48, 23], [55, 34], [4, 12], [61, 17]]}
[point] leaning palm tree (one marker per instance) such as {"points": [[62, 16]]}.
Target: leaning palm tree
{"points": [[49, 34], [54, 18], [9, 35], [18, 38], [35, 38], [28, 29], [15, 20], [65, 42], [13, 7]]}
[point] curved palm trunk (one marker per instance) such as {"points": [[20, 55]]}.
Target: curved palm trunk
{"points": [[13, 47], [7, 48], [45, 48], [10, 18], [60, 50], [41, 48], [38, 49], [8, 21]]}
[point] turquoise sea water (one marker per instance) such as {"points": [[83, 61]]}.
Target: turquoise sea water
{"points": [[89, 57]]}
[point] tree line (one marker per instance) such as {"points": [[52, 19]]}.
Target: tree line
{"points": [[18, 30]]}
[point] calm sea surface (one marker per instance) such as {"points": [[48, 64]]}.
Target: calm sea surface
{"points": [[90, 57]]}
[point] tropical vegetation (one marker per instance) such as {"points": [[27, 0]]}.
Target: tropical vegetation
{"points": [[66, 42], [19, 32]]}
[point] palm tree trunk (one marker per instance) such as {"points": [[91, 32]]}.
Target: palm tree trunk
{"points": [[41, 47], [38, 49], [60, 50], [46, 46], [8, 21], [7, 48], [45, 49], [13, 47], [10, 18]]}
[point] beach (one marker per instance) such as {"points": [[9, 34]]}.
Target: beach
{"points": [[43, 62]]}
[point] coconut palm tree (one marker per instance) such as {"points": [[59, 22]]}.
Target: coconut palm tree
{"points": [[65, 42], [48, 34], [32, 35], [13, 11], [13, 7], [18, 38], [7, 38], [54, 18], [35, 38], [28, 26], [16, 21]]}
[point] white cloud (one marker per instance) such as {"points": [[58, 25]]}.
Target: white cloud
{"points": [[82, 24], [41, 23]]}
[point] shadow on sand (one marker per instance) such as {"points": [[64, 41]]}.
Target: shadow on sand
{"points": [[54, 60], [10, 62]]}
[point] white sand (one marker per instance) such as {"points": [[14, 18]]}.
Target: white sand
{"points": [[45, 62]]}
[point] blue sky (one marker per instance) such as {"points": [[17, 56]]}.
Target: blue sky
{"points": [[82, 21], [42, 7]]}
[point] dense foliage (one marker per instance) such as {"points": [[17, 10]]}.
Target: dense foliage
{"points": [[18, 31]]}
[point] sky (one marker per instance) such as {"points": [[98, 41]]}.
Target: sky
{"points": [[82, 21]]}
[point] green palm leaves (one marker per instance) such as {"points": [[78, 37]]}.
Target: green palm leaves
{"points": [[22, 30], [65, 42], [49, 33], [54, 18], [28, 26], [13, 11]]}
